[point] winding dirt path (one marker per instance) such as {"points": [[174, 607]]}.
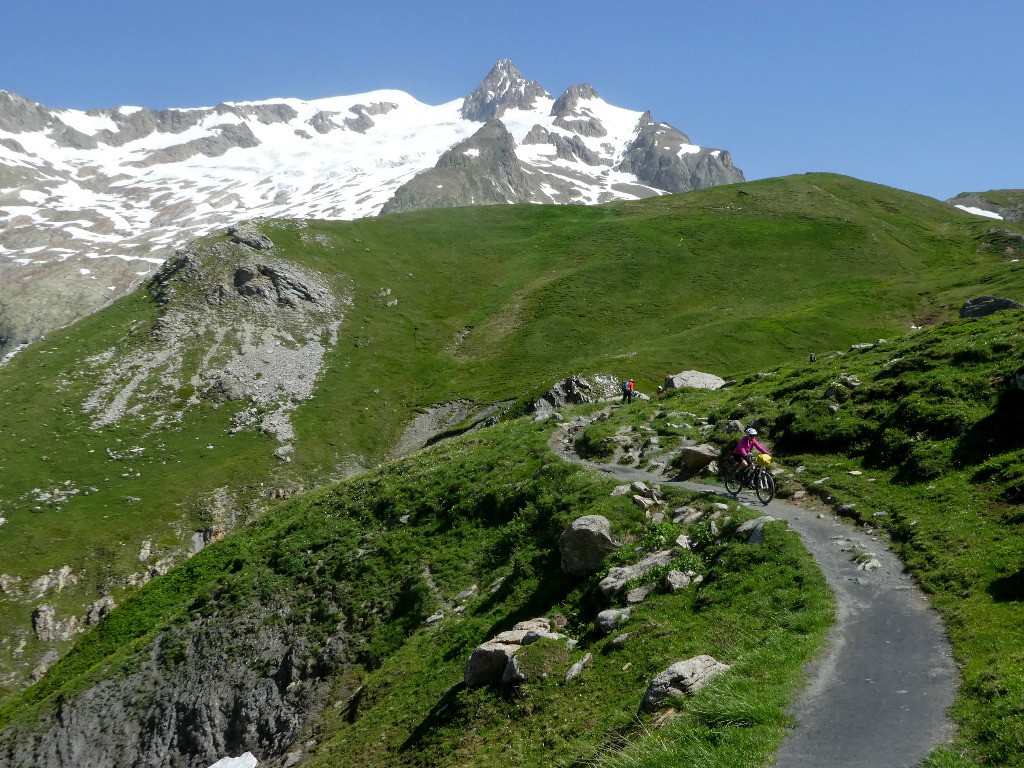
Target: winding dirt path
{"points": [[879, 693]]}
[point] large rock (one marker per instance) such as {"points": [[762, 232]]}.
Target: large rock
{"points": [[494, 660], [695, 457], [576, 390], [681, 679], [487, 663], [986, 305], [694, 380], [617, 577], [608, 620], [585, 543]]}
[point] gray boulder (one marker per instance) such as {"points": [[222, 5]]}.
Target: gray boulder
{"points": [[677, 580], [694, 380], [608, 620], [681, 679], [577, 668], [487, 663], [585, 543], [494, 660], [248, 235], [617, 577], [694, 458], [986, 305]]}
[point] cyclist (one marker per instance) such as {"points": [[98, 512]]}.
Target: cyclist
{"points": [[746, 444]]}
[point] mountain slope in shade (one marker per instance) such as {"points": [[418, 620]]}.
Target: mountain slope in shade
{"points": [[92, 202]]}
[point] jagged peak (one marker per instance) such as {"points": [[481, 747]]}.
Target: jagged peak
{"points": [[566, 104], [503, 88]]}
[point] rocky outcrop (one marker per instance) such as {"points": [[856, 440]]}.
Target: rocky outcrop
{"points": [[572, 149], [482, 170], [208, 688], [230, 136], [617, 577], [683, 678], [585, 544], [664, 157], [436, 420], [494, 660], [1013, 211], [576, 390], [503, 88], [249, 235], [570, 112], [233, 312], [986, 305]]}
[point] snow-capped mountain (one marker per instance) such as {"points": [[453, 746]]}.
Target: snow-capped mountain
{"points": [[91, 202]]}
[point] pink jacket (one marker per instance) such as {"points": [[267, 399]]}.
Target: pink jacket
{"points": [[746, 443]]}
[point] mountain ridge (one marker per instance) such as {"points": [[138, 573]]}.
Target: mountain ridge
{"points": [[93, 202]]}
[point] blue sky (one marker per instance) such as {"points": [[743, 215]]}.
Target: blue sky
{"points": [[923, 96]]}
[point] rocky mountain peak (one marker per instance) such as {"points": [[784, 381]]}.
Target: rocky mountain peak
{"points": [[18, 114], [503, 88], [566, 104]]}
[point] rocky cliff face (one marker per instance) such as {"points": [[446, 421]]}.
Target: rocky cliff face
{"points": [[664, 157], [260, 326], [482, 170], [504, 88], [204, 689]]}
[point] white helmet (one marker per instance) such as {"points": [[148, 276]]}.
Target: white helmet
{"points": [[751, 431]]}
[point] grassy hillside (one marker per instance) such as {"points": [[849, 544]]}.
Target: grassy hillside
{"points": [[353, 571], [921, 437], [492, 304]]}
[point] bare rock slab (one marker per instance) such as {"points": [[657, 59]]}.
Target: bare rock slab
{"points": [[684, 678]]}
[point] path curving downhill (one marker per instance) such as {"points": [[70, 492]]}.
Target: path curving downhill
{"points": [[879, 693]]}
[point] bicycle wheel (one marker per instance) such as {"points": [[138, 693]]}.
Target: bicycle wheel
{"points": [[732, 479], [764, 486]]}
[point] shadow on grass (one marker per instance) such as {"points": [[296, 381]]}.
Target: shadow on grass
{"points": [[1008, 589]]}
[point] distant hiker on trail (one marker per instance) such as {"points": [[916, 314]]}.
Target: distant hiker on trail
{"points": [[746, 444], [660, 390], [627, 390]]}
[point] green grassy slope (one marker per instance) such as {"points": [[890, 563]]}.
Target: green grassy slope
{"points": [[373, 557], [492, 304], [926, 442]]}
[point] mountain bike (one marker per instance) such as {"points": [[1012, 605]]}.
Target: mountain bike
{"points": [[756, 475]]}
